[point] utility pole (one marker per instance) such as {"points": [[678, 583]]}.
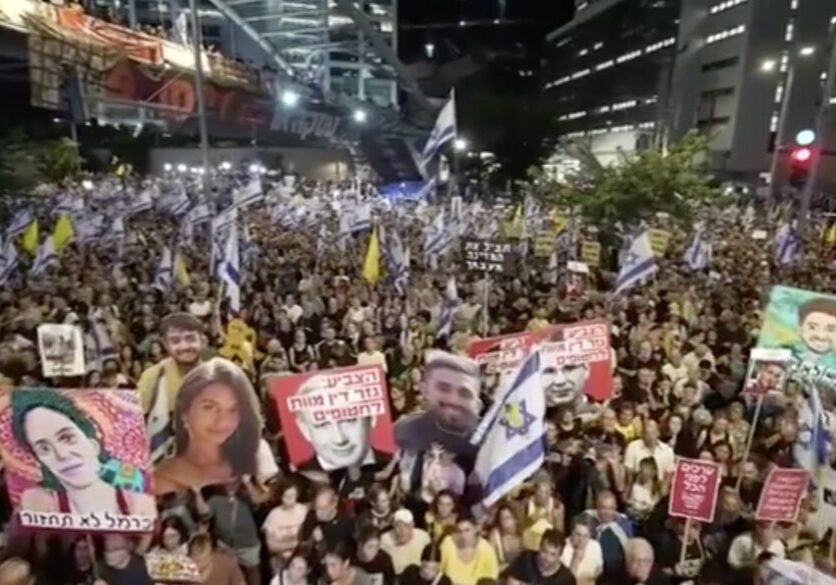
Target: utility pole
{"points": [[821, 126]]}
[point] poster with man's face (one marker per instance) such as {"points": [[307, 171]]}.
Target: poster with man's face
{"points": [[334, 419], [77, 459], [576, 361], [62, 350], [767, 371], [805, 323], [499, 357]]}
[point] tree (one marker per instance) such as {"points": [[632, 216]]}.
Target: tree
{"points": [[521, 130], [642, 184], [24, 163], [58, 159]]}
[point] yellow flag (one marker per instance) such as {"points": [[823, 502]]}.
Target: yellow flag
{"points": [[371, 265], [30, 238], [830, 236], [63, 233], [181, 273]]}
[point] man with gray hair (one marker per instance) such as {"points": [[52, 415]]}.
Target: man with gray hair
{"points": [[640, 567]]}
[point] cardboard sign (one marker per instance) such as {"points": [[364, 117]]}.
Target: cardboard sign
{"points": [[334, 419], [576, 360], [767, 371], [659, 241], [544, 243], [782, 494], [77, 459], [488, 256], [591, 253], [171, 568], [499, 357], [694, 490], [62, 350]]}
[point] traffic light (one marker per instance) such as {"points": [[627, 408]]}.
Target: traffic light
{"points": [[800, 159]]}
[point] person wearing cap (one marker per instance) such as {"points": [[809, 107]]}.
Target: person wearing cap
{"points": [[160, 384], [404, 542]]}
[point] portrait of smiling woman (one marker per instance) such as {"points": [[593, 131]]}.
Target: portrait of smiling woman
{"points": [[217, 429], [78, 475]]}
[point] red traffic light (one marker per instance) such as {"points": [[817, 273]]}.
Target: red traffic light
{"points": [[801, 155]]}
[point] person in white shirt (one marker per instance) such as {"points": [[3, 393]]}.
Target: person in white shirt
{"points": [[649, 446], [746, 548], [293, 310], [582, 555], [404, 542], [372, 355], [693, 358], [674, 370]]}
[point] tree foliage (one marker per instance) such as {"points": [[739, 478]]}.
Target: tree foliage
{"points": [[24, 162], [642, 184]]}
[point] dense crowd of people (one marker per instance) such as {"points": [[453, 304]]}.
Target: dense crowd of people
{"points": [[597, 512]]}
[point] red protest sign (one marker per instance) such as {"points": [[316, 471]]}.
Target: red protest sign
{"points": [[781, 495], [694, 491]]}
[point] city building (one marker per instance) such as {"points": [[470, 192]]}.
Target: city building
{"points": [[610, 70], [746, 69]]}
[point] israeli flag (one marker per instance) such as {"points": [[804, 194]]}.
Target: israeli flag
{"points": [[511, 436], [230, 269], [200, 213], [20, 222], [252, 193], [699, 251], [8, 262], [443, 132], [221, 227], [143, 202], [362, 219], [787, 246], [814, 445], [397, 259], [448, 308], [639, 264], [88, 228], [164, 275], [439, 237], [68, 204], [344, 234], [44, 258]]}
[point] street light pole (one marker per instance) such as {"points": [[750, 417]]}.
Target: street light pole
{"points": [[197, 40], [810, 185], [779, 134]]}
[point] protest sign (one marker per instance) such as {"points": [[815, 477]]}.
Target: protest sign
{"points": [[576, 361], [499, 357], [759, 235], [450, 390], [62, 350], [216, 418], [784, 572], [171, 568], [694, 489], [77, 459], [767, 370], [488, 256], [659, 241], [805, 323], [781, 495], [577, 278], [544, 243], [591, 253], [335, 419]]}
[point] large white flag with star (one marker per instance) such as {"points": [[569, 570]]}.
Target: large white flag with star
{"points": [[639, 264], [511, 436]]}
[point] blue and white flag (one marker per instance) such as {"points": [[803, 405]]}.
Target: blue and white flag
{"points": [[814, 444], [511, 436], [448, 308], [639, 264], [698, 254], [44, 258], [787, 246], [88, 228], [443, 132], [397, 259], [143, 202], [68, 204], [322, 240], [200, 213], [222, 224], [439, 237], [164, 275], [251, 193], [8, 262], [362, 218], [20, 222], [230, 269]]}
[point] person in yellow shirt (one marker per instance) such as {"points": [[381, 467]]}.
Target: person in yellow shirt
{"points": [[539, 321], [466, 557], [159, 384]]}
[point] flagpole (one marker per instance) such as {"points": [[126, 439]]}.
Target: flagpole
{"points": [[197, 44], [485, 308], [749, 440]]}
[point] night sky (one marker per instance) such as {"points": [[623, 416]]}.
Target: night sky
{"points": [[437, 21]]}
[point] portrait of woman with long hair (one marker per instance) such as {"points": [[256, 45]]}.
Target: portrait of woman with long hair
{"points": [[217, 429], [78, 475]]}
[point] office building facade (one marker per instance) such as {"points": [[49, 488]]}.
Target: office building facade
{"points": [[610, 71], [746, 71]]}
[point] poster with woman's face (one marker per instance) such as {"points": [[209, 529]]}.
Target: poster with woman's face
{"points": [[77, 459], [217, 429]]}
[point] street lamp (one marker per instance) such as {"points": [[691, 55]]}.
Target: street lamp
{"points": [[806, 51], [290, 98], [460, 144], [768, 65], [430, 50], [182, 168], [225, 165], [360, 116], [167, 167]]}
